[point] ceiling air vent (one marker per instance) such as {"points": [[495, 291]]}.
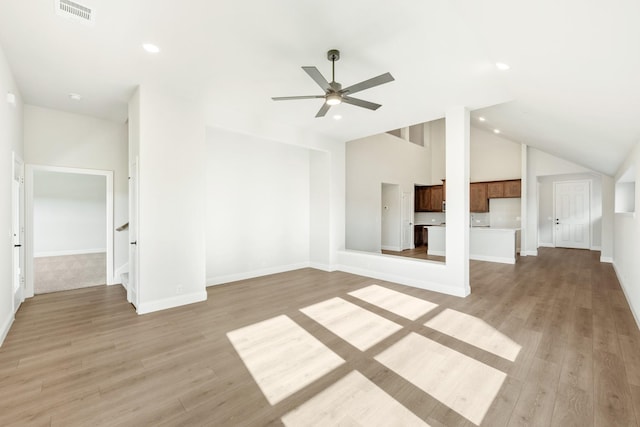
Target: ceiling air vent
{"points": [[73, 10]]}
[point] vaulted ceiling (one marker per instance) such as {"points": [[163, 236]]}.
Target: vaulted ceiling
{"points": [[572, 89]]}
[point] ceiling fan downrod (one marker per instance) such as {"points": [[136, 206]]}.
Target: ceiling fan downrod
{"points": [[333, 55]]}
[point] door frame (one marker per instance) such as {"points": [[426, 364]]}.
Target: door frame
{"points": [[407, 212], [29, 232], [18, 205], [573, 181]]}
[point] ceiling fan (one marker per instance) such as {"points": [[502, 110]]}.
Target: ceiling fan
{"points": [[334, 94]]}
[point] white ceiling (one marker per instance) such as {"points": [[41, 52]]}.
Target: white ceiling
{"points": [[573, 88]]}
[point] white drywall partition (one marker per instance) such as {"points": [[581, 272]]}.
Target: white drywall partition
{"points": [[171, 232]]}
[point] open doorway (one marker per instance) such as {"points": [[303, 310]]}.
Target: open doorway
{"points": [[70, 224]]}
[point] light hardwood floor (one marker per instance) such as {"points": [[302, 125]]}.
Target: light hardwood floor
{"points": [[83, 357]]}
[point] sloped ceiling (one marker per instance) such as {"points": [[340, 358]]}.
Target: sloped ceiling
{"points": [[572, 88]]}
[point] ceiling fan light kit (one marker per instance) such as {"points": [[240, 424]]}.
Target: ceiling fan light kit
{"points": [[334, 94]]}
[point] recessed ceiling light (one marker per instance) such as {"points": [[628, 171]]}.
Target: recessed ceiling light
{"points": [[482, 119], [496, 131], [502, 66], [337, 117], [151, 48], [75, 96]]}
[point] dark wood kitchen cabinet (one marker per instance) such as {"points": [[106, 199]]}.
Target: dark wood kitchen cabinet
{"points": [[478, 199], [513, 188], [435, 202], [422, 198]]}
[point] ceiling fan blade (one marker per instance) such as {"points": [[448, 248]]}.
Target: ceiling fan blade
{"points": [[323, 110], [367, 84], [360, 103], [287, 98], [318, 78]]}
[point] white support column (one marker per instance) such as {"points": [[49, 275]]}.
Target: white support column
{"points": [[457, 197]]}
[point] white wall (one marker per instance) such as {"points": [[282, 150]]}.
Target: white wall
{"points": [[171, 232], [493, 157], [10, 141], [370, 162], [541, 164], [546, 203], [258, 206], [436, 130], [626, 251], [69, 213], [56, 138]]}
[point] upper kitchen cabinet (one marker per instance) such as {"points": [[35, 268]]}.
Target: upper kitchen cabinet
{"points": [[435, 204], [502, 189], [422, 198], [512, 188], [428, 198], [478, 199]]}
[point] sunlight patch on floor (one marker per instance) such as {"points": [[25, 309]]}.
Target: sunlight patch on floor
{"points": [[476, 332], [398, 303], [462, 383], [282, 357], [352, 401], [359, 327]]}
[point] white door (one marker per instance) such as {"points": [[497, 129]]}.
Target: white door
{"points": [[572, 214], [17, 230], [132, 286], [407, 220]]}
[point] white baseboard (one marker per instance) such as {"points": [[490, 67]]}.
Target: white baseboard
{"points": [[70, 252], [219, 280], [606, 259], [530, 253], [596, 248], [546, 245], [502, 260], [437, 253], [626, 295], [6, 326], [177, 301], [124, 268], [391, 248], [323, 267], [422, 284]]}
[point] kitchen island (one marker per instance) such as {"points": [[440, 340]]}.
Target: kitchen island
{"points": [[485, 243]]}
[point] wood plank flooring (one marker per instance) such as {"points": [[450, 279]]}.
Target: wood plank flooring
{"points": [[83, 357]]}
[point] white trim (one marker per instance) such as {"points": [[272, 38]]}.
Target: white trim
{"points": [[391, 248], [323, 267], [124, 268], [29, 254], [70, 252], [546, 245], [6, 326], [595, 248], [607, 259], [422, 284], [166, 303], [219, 280], [437, 253], [530, 253], [503, 260], [626, 295]]}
